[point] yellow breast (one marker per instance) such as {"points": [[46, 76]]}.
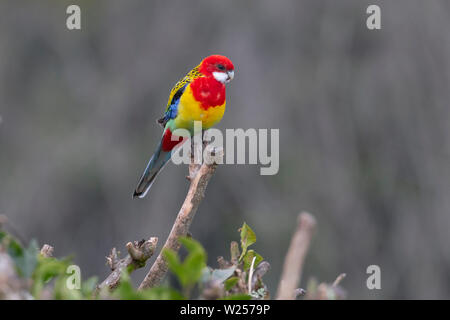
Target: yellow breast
{"points": [[189, 110]]}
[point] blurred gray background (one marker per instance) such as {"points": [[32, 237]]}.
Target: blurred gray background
{"points": [[363, 117]]}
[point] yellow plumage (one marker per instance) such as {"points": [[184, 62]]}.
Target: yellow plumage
{"points": [[189, 110]]}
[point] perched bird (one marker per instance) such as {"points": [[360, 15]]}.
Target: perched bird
{"points": [[199, 96]]}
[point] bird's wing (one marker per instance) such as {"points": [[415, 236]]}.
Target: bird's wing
{"points": [[175, 95]]}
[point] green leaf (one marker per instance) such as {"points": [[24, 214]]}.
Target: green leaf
{"points": [[15, 250], [248, 238], [24, 259], [125, 291], [192, 245], [193, 266], [248, 258], [174, 264], [172, 259], [161, 293], [88, 286], [47, 269], [230, 283], [239, 296], [191, 269]]}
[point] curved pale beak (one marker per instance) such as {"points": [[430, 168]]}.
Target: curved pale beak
{"points": [[230, 76]]}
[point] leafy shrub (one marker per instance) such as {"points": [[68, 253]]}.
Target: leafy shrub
{"points": [[43, 277]]}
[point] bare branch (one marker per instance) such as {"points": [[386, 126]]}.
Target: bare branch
{"points": [[113, 259], [293, 263], [325, 291], [199, 176], [234, 252], [223, 264], [260, 271], [138, 254]]}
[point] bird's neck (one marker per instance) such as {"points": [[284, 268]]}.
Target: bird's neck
{"points": [[208, 91]]}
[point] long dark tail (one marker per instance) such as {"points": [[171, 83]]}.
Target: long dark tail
{"points": [[156, 163]]}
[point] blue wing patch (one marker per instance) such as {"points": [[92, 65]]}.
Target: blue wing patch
{"points": [[172, 109]]}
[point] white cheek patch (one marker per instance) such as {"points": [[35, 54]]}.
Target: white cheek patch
{"points": [[220, 76]]}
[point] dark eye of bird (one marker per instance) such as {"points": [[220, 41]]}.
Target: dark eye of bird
{"points": [[220, 67]]}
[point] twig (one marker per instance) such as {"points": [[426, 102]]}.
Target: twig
{"points": [[260, 271], [199, 176], [223, 264], [47, 251], [138, 254], [338, 279], [299, 292], [293, 263], [325, 291], [234, 252]]}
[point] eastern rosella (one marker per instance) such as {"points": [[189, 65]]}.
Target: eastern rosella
{"points": [[199, 96]]}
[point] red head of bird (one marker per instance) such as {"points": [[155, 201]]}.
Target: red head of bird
{"points": [[219, 67]]}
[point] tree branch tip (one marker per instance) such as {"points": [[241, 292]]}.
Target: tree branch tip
{"points": [[138, 253], [339, 279], [262, 268], [234, 252], [306, 220], [112, 259], [223, 264], [134, 252], [293, 263], [142, 250], [299, 292], [47, 251]]}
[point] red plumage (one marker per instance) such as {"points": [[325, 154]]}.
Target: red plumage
{"points": [[208, 92], [170, 141], [209, 64]]}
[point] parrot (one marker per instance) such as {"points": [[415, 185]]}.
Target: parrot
{"points": [[199, 96]]}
